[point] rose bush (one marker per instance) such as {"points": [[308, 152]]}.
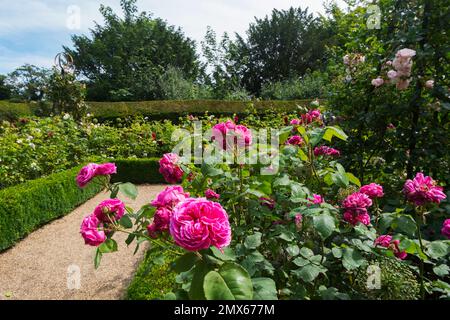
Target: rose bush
{"points": [[307, 230]]}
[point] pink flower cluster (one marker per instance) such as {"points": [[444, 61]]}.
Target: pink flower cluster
{"points": [[387, 242], [165, 201], [373, 190], [355, 208], [402, 65], [307, 118], [353, 59], [197, 224], [91, 170], [107, 211], [295, 140], [210, 194], [170, 169], [446, 228], [326, 151], [227, 134], [422, 190]]}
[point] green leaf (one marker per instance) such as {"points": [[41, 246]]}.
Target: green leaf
{"points": [[441, 270], [302, 155], [437, 249], [232, 282], [308, 273], [130, 239], [331, 132], [353, 179], [283, 181], [209, 170], [324, 224], [352, 259], [406, 224], [108, 246], [185, 262], [337, 252], [170, 296], [264, 289], [129, 190], [316, 136], [293, 250], [126, 222], [253, 241], [97, 258], [226, 255], [196, 291], [306, 252]]}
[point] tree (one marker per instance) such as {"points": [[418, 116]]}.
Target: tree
{"points": [[29, 82], [5, 89], [280, 47], [125, 58]]}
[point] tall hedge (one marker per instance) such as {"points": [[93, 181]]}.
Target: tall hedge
{"points": [[25, 207], [138, 171]]}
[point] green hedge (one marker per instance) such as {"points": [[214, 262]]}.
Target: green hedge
{"points": [[13, 110], [152, 280], [137, 171], [172, 109], [25, 207]]}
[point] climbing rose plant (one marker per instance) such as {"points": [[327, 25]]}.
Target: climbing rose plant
{"points": [[309, 230]]}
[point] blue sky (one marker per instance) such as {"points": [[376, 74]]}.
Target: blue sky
{"points": [[34, 31]]}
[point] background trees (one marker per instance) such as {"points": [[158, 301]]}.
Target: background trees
{"points": [[28, 82]]}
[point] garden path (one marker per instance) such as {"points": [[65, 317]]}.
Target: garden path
{"points": [[38, 266]]}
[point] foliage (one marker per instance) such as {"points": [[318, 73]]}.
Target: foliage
{"points": [[28, 82], [138, 171], [25, 207], [5, 89], [125, 57]]}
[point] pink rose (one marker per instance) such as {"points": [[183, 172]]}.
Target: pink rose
{"points": [[403, 84], [373, 190], [326, 151], [106, 169], [197, 224], [268, 202], [354, 218], [86, 174], [387, 242], [298, 221], [169, 168], [357, 201], [295, 140], [110, 209], [429, 84], [392, 74], [90, 231], [295, 122], [377, 82], [210, 194], [228, 133], [161, 221], [405, 53], [446, 228], [422, 190], [384, 241], [244, 136], [170, 197], [317, 199]]}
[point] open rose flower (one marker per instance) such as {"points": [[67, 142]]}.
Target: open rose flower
{"points": [[355, 208], [377, 82], [446, 228], [387, 242], [197, 224], [169, 168], [170, 197], [227, 134], [90, 231], [326, 151], [316, 199], [106, 169], [354, 218], [110, 209], [161, 221], [210, 194], [86, 174], [422, 190], [295, 140], [373, 190]]}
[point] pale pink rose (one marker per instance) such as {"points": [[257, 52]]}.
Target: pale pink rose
{"points": [[346, 59], [106, 169], [429, 84], [170, 197], [403, 84], [377, 82], [86, 174], [197, 224], [161, 221], [446, 228], [109, 210], [389, 63], [405, 53], [169, 168], [90, 231], [210, 194], [422, 190], [373, 190], [295, 140], [392, 74]]}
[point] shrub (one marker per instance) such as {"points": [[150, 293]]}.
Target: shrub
{"points": [[12, 111], [137, 171], [25, 207]]}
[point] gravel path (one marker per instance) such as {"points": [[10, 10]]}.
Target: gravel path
{"points": [[38, 266]]}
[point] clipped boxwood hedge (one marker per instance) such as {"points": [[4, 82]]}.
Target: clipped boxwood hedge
{"points": [[25, 207], [15, 110], [137, 171]]}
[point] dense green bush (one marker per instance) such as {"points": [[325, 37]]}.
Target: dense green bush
{"points": [[25, 207], [137, 171], [11, 110]]}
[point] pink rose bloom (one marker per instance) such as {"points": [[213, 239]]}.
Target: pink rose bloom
{"points": [[403, 84], [169, 168], [170, 197], [210, 194], [298, 220], [90, 231], [446, 228], [317, 199], [357, 200], [392, 74], [387, 242], [422, 190], [429, 84], [295, 140], [86, 174], [198, 224], [295, 122], [244, 136], [326, 151], [315, 113], [354, 218], [390, 126], [405, 53], [106, 169], [377, 82], [223, 132], [161, 221], [373, 190], [268, 202], [110, 209]]}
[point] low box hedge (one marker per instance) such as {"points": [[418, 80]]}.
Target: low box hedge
{"points": [[14, 110], [25, 207], [137, 171]]}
